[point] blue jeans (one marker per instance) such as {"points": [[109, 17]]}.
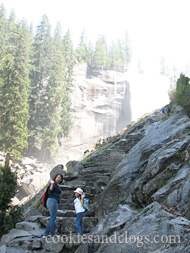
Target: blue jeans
{"points": [[52, 206], [79, 226]]}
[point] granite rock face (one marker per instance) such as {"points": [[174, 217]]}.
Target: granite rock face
{"points": [[138, 187], [100, 107]]}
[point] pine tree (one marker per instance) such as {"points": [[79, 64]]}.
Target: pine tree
{"points": [[54, 90], [3, 34], [39, 75], [9, 215], [50, 79], [82, 51], [90, 51], [114, 58], [127, 52], [100, 54], [69, 56], [14, 88], [181, 93], [119, 55]]}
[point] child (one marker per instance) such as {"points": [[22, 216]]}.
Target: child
{"points": [[79, 210]]}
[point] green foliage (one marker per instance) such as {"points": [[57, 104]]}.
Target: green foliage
{"points": [[14, 72], [181, 94], [100, 54], [119, 55], [9, 218], [38, 202], [50, 82], [9, 215], [86, 160], [36, 76], [7, 187], [100, 148], [82, 51]]}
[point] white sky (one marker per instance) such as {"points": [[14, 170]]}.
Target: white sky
{"points": [[156, 28]]}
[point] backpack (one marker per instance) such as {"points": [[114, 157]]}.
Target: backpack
{"points": [[86, 205], [45, 197]]}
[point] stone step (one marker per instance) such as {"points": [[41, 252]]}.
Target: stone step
{"points": [[70, 178], [77, 183], [65, 213], [59, 243], [66, 206], [67, 187], [65, 225], [97, 169], [70, 213]]}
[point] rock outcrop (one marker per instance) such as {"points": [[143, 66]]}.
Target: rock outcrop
{"points": [[100, 107], [31, 177], [138, 187], [104, 102]]}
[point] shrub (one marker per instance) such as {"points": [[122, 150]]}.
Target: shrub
{"points": [[9, 215], [181, 94]]}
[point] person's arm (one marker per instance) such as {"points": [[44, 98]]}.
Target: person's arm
{"points": [[82, 199], [51, 186]]}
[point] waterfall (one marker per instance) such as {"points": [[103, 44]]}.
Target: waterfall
{"points": [[148, 92]]}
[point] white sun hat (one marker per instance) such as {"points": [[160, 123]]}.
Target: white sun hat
{"points": [[79, 190]]}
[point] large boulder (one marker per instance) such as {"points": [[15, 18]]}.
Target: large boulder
{"points": [[74, 167], [58, 169]]}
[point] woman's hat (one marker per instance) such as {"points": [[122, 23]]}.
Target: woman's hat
{"points": [[79, 190]]}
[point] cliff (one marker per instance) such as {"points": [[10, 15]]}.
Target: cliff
{"points": [[137, 183], [100, 108], [103, 103]]}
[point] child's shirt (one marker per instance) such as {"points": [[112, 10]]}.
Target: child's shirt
{"points": [[78, 207]]}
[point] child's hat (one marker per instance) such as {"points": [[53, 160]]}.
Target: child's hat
{"points": [[79, 190]]}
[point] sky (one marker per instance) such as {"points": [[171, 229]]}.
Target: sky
{"points": [[156, 28]]}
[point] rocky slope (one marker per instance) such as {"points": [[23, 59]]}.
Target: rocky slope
{"points": [[138, 186]]}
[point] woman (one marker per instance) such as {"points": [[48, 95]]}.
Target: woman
{"points": [[52, 204]]}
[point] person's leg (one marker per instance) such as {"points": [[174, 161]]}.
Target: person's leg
{"points": [[77, 223], [52, 206], [47, 230], [79, 226], [53, 213]]}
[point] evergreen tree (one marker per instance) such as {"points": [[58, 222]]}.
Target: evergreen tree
{"points": [[69, 56], [119, 55], [3, 35], [50, 81], [39, 75], [82, 51], [90, 51], [126, 51], [55, 93], [115, 59], [100, 54], [14, 87], [181, 94], [9, 215]]}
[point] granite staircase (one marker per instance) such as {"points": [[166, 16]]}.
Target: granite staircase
{"points": [[93, 177]]}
